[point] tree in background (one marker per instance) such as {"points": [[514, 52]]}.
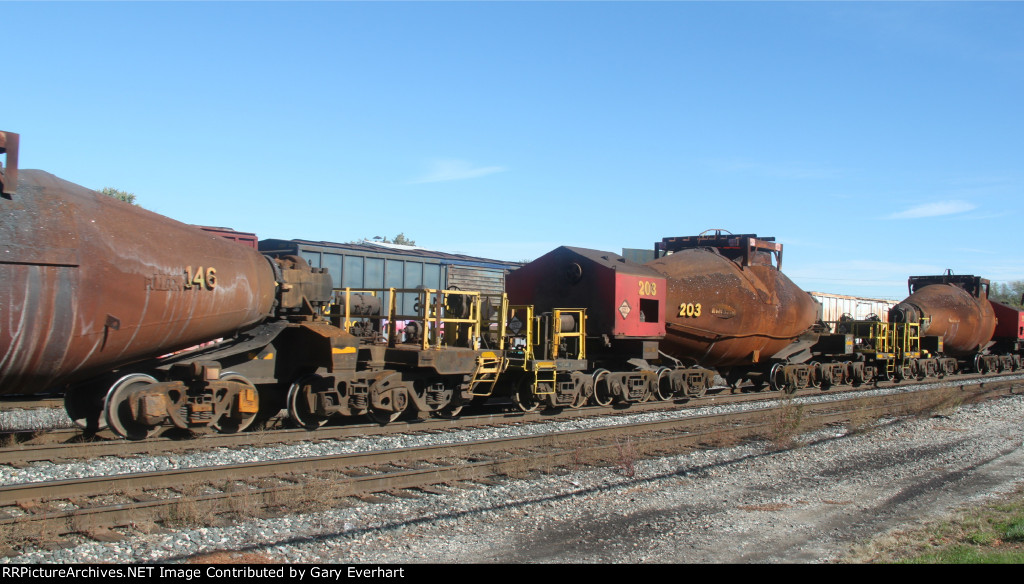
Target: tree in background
{"points": [[1008, 292], [399, 239], [122, 195]]}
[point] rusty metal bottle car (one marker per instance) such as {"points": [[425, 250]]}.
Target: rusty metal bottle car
{"points": [[98, 295], [956, 321], [730, 306]]}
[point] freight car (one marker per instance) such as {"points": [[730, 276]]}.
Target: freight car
{"points": [[105, 300], [946, 325], [957, 325], [95, 291], [108, 301]]}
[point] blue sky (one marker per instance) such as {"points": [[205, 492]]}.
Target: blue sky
{"points": [[875, 140]]}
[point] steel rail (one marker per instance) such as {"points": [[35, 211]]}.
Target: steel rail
{"points": [[64, 445], [556, 448]]}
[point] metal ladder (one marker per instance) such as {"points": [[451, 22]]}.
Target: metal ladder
{"points": [[488, 367]]}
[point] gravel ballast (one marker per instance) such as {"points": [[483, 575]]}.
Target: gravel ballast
{"points": [[746, 503]]}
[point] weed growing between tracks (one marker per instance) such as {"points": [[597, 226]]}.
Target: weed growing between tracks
{"points": [[786, 426], [627, 457], [187, 511], [24, 532], [320, 493]]}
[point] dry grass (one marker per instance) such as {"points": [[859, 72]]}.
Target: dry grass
{"points": [[515, 467], [9, 539], [319, 494], [244, 505], [785, 426], [29, 533], [627, 456], [187, 511], [584, 456]]}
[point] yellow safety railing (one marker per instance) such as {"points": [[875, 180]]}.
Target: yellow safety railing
{"points": [[580, 320], [518, 331], [444, 318]]}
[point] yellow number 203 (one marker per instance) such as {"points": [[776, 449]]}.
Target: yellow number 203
{"points": [[648, 288], [689, 309]]}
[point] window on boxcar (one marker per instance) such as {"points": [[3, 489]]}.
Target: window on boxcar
{"points": [[353, 277], [413, 278], [311, 257], [332, 262], [373, 274], [432, 276]]}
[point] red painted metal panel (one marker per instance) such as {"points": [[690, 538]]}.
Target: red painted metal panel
{"points": [[604, 283], [1010, 322], [639, 306]]}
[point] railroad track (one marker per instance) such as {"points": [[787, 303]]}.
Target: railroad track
{"points": [[61, 445], [94, 505]]}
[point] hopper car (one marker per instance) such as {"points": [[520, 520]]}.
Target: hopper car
{"points": [[148, 324]]}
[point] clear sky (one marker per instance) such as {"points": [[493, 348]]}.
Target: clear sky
{"points": [[874, 140]]}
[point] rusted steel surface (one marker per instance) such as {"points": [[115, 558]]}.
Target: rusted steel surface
{"points": [[723, 313], [89, 283], [9, 175], [957, 309]]}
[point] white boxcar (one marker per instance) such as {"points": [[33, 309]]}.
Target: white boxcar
{"points": [[834, 306]]}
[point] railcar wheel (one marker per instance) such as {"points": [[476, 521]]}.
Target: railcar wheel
{"points": [[298, 404], [383, 418], [227, 424], [523, 396], [815, 378], [579, 400], [117, 407], [663, 385], [450, 411], [602, 390], [778, 380], [84, 405], [584, 385]]}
